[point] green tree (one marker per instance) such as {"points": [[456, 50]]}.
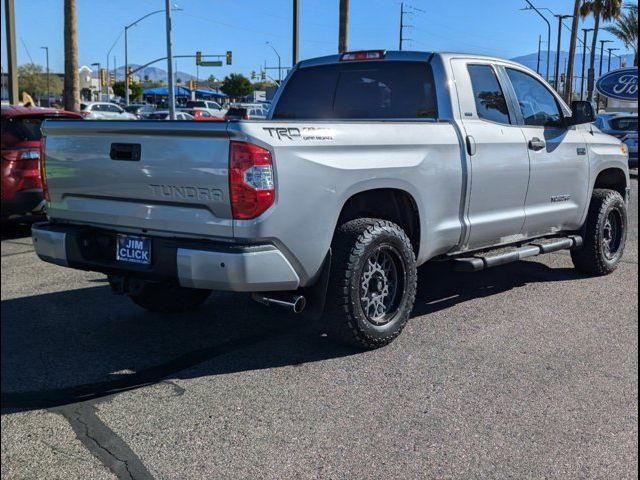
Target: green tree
{"points": [[626, 29], [605, 10], [236, 85], [178, 80], [136, 89], [33, 79]]}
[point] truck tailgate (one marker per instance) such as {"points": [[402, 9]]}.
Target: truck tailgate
{"points": [[168, 178]]}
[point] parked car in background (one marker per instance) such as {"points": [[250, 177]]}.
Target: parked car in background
{"points": [[164, 115], [21, 143], [213, 108], [631, 141], [246, 113], [202, 115], [104, 111], [617, 124], [141, 111]]}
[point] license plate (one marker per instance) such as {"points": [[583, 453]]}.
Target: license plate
{"points": [[133, 249]]}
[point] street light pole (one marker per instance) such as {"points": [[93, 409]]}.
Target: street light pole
{"points": [[279, 62], [609, 60], [170, 84], [584, 56], [557, 75], [532, 7], [48, 90], [602, 42], [296, 27], [126, 53]]}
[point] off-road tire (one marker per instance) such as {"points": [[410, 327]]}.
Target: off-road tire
{"points": [[592, 258], [167, 298], [354, 243]]}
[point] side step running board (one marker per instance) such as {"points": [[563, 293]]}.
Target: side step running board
{"points": [[486, 259]]}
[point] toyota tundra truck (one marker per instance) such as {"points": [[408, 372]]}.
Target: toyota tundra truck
{"points": [[368, 165]]}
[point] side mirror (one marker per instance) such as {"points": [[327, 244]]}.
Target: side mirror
{"points": [[582, 113]]}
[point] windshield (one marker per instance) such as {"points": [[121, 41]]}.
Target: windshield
{"points": [[359, 90]]}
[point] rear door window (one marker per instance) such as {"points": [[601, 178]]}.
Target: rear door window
{"points": [[489, 97], [625, 124], [360, 90], [16, 130]]}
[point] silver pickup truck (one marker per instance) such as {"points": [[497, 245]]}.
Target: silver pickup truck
{"points": [[368, 165]]}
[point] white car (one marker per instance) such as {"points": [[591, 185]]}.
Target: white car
{"points": [[213, 108], [164, 115], [104, 111]]}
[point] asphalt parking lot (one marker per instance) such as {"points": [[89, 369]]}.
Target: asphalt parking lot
{"points": [[525, 371]]}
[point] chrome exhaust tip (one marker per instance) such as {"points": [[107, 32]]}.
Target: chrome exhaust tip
{"points": [[296, 304]]}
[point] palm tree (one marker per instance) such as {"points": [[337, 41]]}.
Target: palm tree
{"points": [[568, 86], [605, 10], [71, 75], [626, 29]]}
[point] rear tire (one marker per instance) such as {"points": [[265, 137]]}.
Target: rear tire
{"points": [[373, 282], [604, 234], [167, 298]]}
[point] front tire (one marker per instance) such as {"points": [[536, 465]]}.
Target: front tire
{"points": [[604, 234], [373, 282], [167, 298]]}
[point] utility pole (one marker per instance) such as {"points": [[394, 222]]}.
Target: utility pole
{"points": [[584, 57], [71, 78], [343, 35], [10, 26], [46, 49], [296, 25], [170, 84], [557, 75], [538, 61]]}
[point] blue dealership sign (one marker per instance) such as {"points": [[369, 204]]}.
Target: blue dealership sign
{"points": [[621, 84]]}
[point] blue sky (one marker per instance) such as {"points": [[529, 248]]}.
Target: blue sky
{"points": [[495, 27]]}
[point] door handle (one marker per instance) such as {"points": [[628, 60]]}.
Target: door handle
{"points": [[471, 145], [536, 144]]}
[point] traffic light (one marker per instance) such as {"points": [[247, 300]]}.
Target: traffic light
{"points": [[253, 74], [263, 76], [562, 77], [198, 58], [112, 78], [103, 77], [129, 74], [229, 57]]}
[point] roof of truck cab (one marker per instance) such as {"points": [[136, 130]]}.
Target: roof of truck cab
{"points": [[395, 55]]}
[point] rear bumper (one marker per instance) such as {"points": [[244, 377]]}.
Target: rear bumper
{"points": [[190, 263], [24, 202]]}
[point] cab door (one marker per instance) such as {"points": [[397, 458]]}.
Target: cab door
{"points": [[497, 152], [559, 163]]}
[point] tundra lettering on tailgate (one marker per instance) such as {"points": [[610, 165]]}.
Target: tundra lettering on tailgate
{"points": [[182, 192]]}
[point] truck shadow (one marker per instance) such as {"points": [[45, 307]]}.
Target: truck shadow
{"points": [[76, 345], [15, 230]]}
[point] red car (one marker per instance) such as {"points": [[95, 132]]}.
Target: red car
{"points": [[20, 175]]}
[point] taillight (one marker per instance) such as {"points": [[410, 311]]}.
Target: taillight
{"points": [[251, 184], [362, 55], [43, 173]]}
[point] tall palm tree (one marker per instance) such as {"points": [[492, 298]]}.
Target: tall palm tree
{"points": [[568, 86], [605, 10], [343, 33], [71, 76], [626, 29]]}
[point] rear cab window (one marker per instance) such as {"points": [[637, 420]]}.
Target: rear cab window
{"points": [[360, 90], [488, 95]]}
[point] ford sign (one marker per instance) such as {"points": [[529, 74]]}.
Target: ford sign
{"points": [[620, 84]]}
